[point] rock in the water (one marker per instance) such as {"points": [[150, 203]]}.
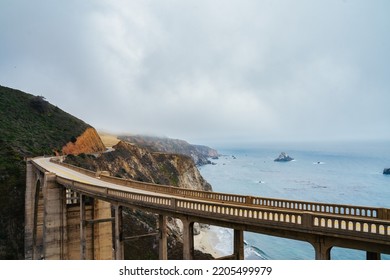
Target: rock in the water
{"points": [[386, 171], [284, 157]]}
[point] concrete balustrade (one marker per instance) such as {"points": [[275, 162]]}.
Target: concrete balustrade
{"points": [[348, 210], [244, 212], [353, 224], [360, 211]]}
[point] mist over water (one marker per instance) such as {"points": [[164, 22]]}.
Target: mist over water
{"points": [[341, 173]]}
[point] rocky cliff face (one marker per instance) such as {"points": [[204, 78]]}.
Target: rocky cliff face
{"points": [[198, 153], [89, 142], [133, 162]]}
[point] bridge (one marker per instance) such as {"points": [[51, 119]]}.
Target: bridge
{"points": [[73, 213]]}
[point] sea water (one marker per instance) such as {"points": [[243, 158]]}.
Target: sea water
{"points": [[338, 173]]}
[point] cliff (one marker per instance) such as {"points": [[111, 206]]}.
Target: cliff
{"points": [[89, 143], [200, 154], [133, 162]]}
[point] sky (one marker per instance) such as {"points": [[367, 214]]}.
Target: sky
{"points": [[222, 71]]}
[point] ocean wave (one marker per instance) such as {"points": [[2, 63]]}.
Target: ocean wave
{"points": [[254, 253]]}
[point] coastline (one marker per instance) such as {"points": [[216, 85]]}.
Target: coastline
{"points": [[205, 241]]}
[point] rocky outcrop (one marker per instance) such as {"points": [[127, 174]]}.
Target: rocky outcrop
{"points": [[88, 143], [132, 162], [199, 153], [386, 171], [283, 157]]}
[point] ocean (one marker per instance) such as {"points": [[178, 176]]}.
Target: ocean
{"points": [[342, 173]]}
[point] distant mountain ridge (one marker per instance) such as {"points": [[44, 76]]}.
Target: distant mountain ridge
{"points": [[199, 153]]}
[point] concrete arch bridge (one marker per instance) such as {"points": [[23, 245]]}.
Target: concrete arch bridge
{"points": [[69, 216]]}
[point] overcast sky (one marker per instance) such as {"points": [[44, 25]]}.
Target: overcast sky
{"points": [[206, 71]]}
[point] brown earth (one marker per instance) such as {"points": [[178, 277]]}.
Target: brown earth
{"points": [[87, 143]]}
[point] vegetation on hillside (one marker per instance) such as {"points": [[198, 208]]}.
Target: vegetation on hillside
{"points": [[29, 126]]}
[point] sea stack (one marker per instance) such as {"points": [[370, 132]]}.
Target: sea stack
{"points": [[284, 157]]}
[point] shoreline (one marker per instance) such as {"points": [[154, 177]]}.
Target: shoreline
{"points": [[205, 242]]}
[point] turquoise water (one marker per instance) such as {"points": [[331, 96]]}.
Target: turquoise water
{"points": [[344, 173]]}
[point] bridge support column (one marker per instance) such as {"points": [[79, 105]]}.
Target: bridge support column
{"points": [[163, 245], [102, 230], [118, 234], [188, 239], [373, 256], [322, 249], [83, 229], [238, 244], [53, 226], [29, 211]]}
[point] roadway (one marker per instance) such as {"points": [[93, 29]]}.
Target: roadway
{"points": [[67, 173]]}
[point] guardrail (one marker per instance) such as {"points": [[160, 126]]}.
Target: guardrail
{"points": [[369, 226], [316, 207], [292, 219]]}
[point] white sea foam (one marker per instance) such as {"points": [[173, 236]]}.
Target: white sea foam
{"points": [[224, 244]]}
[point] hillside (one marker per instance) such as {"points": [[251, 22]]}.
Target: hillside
{"points": [[29, 126], [200, 154], [133, 162]]}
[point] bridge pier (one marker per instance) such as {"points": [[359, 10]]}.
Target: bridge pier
{"points": [[118, 234], [101, 230], [83, 229], [373, 256], [95, 229], [188, 239], [32, 184], [53, 225], [238, 244], [163, 245], [322, 248], [45, 223]]}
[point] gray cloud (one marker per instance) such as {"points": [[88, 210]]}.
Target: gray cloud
{"points": [[206, 70]]}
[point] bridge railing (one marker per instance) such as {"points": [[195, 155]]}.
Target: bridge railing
{"points": [[316, 207], [357, 225], [293, 219], [338, 209]]}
